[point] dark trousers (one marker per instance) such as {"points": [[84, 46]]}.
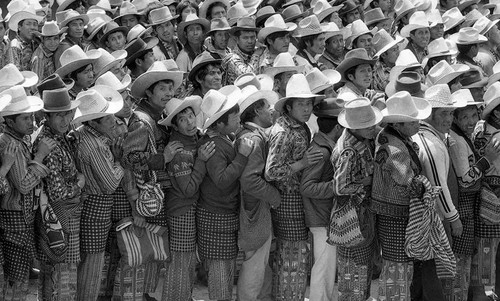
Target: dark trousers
{"points": [[425, 285]]}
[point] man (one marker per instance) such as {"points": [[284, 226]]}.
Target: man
{"points": [[163, 24], [311, 42], [74, 35], [334, 47], [218, 38], [418, 34], [140, 56], [488, 54], [283, 68], [468, 41], [238, 62], [387, 52], [206, 74], [129, 16], [114, 36], [350, 12], [42, 61], [17, 212]]}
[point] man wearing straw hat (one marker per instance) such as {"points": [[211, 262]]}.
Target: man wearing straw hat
{"points": [[162, 22], [218, 38], [311, 37], [17, 211], [488, 54], [387, 52], [42, 61], [76, 24], [334, 47], [468, 41]]}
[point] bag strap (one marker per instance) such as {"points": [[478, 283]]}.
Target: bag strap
{"points": [[151, 134]]}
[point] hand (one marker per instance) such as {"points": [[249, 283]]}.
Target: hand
{"points": [[117, 148], [245, 147], [81, 180], [456, 228], [9, 154], [492, 150], [45, 146], [74, 136], [311, 157], [206, 151], [171, 150], [138, 219]]}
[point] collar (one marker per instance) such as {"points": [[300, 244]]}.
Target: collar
{"points": [[244, 56], [106, 140], [46, 51], [424, 126], [23, 41], [252, 124], [335, 60], [354, 88], [25, 139], [291, 122], [322, 139], [417, 48]]}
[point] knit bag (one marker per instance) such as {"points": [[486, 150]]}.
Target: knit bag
{"points": [[489, 207], [255, 226]]}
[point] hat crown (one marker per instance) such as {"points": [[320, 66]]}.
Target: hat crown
{"points": [[110, 26], [374, 15], [434, 17], [406, 57], [311, 23], [50, 28], [381, 39], [291, 11], [482, 24], [284, 59], [402, 6], [297, 85], [409, 81], [357, 53], [10, 75], [452, 17], [107, 58], [160, 15], [191, 17], [72, 54], [17, 92], [127, 8], [57, 99], [463, 94], [203, 58], [108, 79], [135, 32], [53, 82], [329, 107], [266, 10], [468, 34], [247, 91], [174, 103], [439, 95], [276, 21], [470, 77], [419, 18], [247, 22], [438, 46], [66, 14], [247, 79], [321, 6], [91, 102], [315, 78], [237, 11], [439, 70], [215, 101], [219, 24], [104, 4], [163, 66], [330, 27], [473, 15], [359, 110], [16, 6], [496, 68], [141, 5], [95, 24], [359, 27], [491, 93], [401, 103]]}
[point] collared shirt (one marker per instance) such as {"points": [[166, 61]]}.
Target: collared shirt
{"points": [[381, 74], [350, 91], [95, 160], [20, 53], [417, 51], [42, 62], [236, 64], [329, 60], [304, 58], [164, 50], [65, 44]]}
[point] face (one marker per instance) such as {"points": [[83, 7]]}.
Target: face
{"points": [[407, 129], [51, 43], [60, 121], [218, 12], [130, 21], [421, 37], [118, 72], [334, 17], [147, 61], [221, 40], [128, 105], [23, 124], [281, 80], [353, 16], [280, 44], [335, 45], [318, 45], [246, 41], [116, 41], [186, 11], [466, 119], [85, 78], [161, 95], [194, 34], [186, 122], [364, 41], [165, 31], [75, 29], [391, 55], [172, 9], [213, 79], [441, 119], [385, 5], [105, 125], [301, 109], [362, 76], [386, 24], [265, 115], [233, 124], [493, 35], [27, 29], [437, 31], [368, 133]]}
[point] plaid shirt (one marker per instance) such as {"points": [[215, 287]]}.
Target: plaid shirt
{"points": [[20, 53], [236, 64], [381, 74], [42, 62]]}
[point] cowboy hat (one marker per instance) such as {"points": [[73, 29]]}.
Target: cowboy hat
{"points": [[452, 17], [469, 36], [463, 4], [251, 94], [417, 20], [348, 7], [53, 82], [382, 41], [403, 8], [308, 26], [443, 73], [74, 58], [138, 31], [329, 107], [261, 81], [263, 13], [70, 15], [483, 24], [190, 20], [493, 78], [107, 60], [217, 102], [250, 5], [110, 28], [293, 12], [283, 63], [439, 96], [95, 25], [354, 58], [206, 4], [105, 5], [19, 11], [434, 17], [359, 114], [127, 9], [110, 80], [297, 87], [63, 4], [471, 17], [275, 23], [11, 76], [157, 72], [407, 59], [58, 100], [437, 47], [374, 16], [289, 3], [244, 24], [160, 15], [174, 106], [323, 9], [359, 28], [97, 102], [331, 29], [319, 81], [409, 81], [473, 79], [201, 60], [238, 11], [491, 99], [465, 94], [402, 107], [50, 29], [218, 24], [138, 47], [19, 102]]}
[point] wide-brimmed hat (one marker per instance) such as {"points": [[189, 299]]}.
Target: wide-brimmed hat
{"points": [[374, 16], [50, 29], [141, 5], [157, 72], [250, 5], [238, 11], [462, 4], [293, 12], [434, 17], [206, 4], [97, 102], [174, 106], [261, 81], [417, 20], [70, 15], [407, 59], [359, 28], [409, 81], [110, 80], [348, 7], [402, 8], [283, 63], [200, 61], [11, 76], [354, 58], [496, 74], [329, 107], [331, 29], [58, 100], [245, 23], [160, 16], [382, 41], [95, 25], [437, 47], [127, 9], [218, 24], [491, 99], [108, 60], [289, 3], [19, 102], [138, 48], [359, 114], [473, 79], [19, 11], [443, 73], [217, 102], [251, 94], [297, 87], [469, 36], [138, 31], [439, 96], [105, 5], [275, 23], [53, 82], [471, 17], [323, 9], [319, 80], [74, 58], [483, 24], [190, 20], [63, 4], [110, 28], [402, 107], [264, 13], [308, 26], [467, 95], [452, 17]]}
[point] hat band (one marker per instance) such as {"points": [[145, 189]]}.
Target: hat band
{"points": [[61, 108], [411, 88], [18, 104]]}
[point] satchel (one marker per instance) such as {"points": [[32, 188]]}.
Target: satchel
{"points": [[255, 226], [139, 245], [489, 207]]}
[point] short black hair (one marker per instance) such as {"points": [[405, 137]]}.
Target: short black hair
{"points": [[249, 114], [211, 6], [238, 32], [225, 117], [152, 87], [307, 39], [73, 74], [181, 6], [464, 48], [202, 72], [174, 119], [351, 70], [274, 36], [327, 124]]}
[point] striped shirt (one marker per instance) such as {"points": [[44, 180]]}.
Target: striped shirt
{"points": [[96, 162]]}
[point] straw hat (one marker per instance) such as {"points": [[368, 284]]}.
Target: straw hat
{"points": [[157, 72], [469, 36], [218, 24], [19, 102], [19, 11], [50, 29], [483, 24], [407, 59], [374, 16], [11, 76], [493, 78], [437, 47], [354, 58], [206, 4], [190, 20], [283, 63], [473, 79], [138, 31], [452, 17], [348, 7], [174, 106], [245, 23], [250, 5], [275, 23], [160, 16], [63, 4], [95, 25], [108, 60], [70, 15], [358, 29], [264, 13], [297, 87], [105, 5], [293, 12], [97, 102], [110, 28], [74, 58], [141, 5], [261, 81], [443, 73], [138, 48], [217, 102], [110, 80], [465, 94], [53, 82], [58, 100], [289, 3], [323, 9], [439, 96], [329, 107], [403, 8], [331, 29], [201, 60], [382, 41], [308, 26], [251, 94], [319, 81], [434, 17], [417, 20], [238, 11], [127, 9], [359, 114], [471, 17], [409, 81], [463, 4], [491, 99], [402, 107]]}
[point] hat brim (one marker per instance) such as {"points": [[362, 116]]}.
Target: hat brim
{"points": [[150, 44], [300, 33], [278, 106], [117, 19], [270, 96], [263, 17], [426, 59], [342, 120], [457, 22], [73, 105], [231, 102], [238, 28], [346, 64], [405, 31], [465, 4], [493, 78], [372, 22], [61, 31], [105, 36], [180, 28], [194, 70], [479, 84], [145, 80], [346, 11], [292, 18], [22, 15], [490, 107], [398, 40], [266, 31], [193, 103], [458, 104], [163, 21], [31, 104], [115, 104], [96, 30], [322, 15], [64, 5], [85, 19], [404, 13], [273, 71], [481, 39], [424, 110], [228, 29], [92, 56], [30, 79], [119, 60], [459, 70]]}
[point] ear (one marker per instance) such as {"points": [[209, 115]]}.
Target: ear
{"points": [[350, 77], [138, 61], [148, 93], [108, 45], [9, 122]]}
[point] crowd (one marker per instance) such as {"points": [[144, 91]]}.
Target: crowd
{"points": [[325, 143]]}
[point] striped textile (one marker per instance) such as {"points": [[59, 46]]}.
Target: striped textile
{"points": [[220, 278], [395, 281], [180, 277], [16, 291], [95, 223], [89, 276], [152, 273], [483, 264], [354, 280], [457, 288], [183, 231], [289, 219], [129, 283], [57, 282]]}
